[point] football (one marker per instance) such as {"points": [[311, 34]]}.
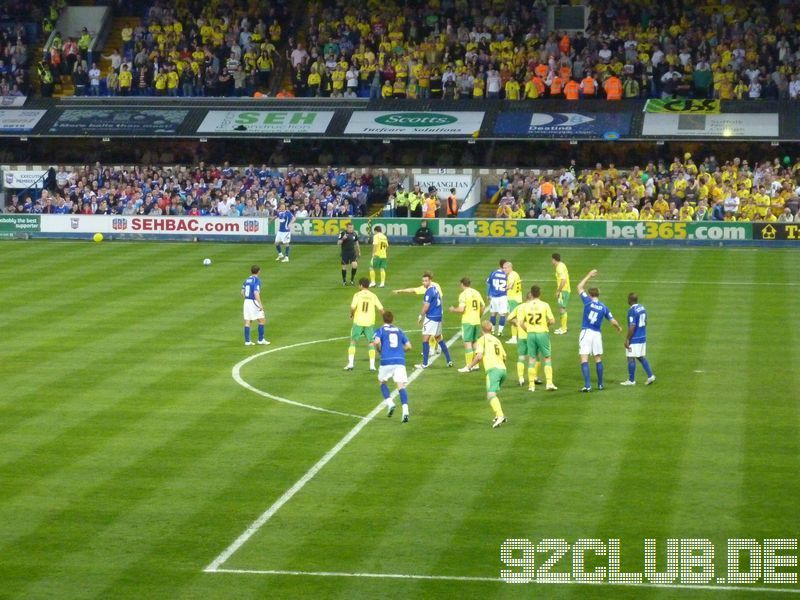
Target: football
{"points": [[98, 237], [206, 261]]}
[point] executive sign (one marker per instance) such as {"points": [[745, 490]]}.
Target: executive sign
{"points": [[406, 123]]}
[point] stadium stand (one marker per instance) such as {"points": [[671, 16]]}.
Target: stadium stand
{"points": [[208, 191], [17, 33], [683, 190], [453, 50], [183, 48]]}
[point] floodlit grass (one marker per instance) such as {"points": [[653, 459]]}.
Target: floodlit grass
{"points": [[130, 458]]}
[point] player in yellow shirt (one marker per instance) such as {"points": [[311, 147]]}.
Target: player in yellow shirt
{"points": [[470, 306], [516, 317], [362, 312], [490, 350], [380, 247], [513, 293], [563, 291], [538, 319]]}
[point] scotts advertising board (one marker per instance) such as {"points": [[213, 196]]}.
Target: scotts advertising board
{"points": [[406, 123], [610, 126], [261, 122]]}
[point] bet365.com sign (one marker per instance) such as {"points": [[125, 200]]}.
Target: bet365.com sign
{"points": [[409, 123]]}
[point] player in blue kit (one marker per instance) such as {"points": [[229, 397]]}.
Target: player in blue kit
{"points": [[636, 341], [392, 344], [591, 338], [496, 290], [283, 236], [431, 320], [253, 308]]}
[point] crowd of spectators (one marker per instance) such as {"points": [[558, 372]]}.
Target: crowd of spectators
{"points": [[193, 48], [208, 191], [465, 49], [683, 190], [15, 42]]}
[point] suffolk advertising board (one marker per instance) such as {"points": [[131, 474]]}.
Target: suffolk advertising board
{"points": [[724, 125], [265, 122], [408, 124]]}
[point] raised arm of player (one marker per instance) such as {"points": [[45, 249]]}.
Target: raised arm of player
{"points": [[582, 284], [411, 290]]}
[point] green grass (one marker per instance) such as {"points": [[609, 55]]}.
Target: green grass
{"points": [[130, 458]]}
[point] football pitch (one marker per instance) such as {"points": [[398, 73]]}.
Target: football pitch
{"points": [[145, 452]]}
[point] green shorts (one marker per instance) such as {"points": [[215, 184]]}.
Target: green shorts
{"points": [[469, 333], [378, 263], [512, 304], [358, 330], [563, 299], [494, 379], [539, 343], [522, 346]]}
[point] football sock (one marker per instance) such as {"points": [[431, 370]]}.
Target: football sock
{"points": [[532, 375], [536, 370], [383, 276], [468, 356], [405, 409], [548, 373], [445, 351], [495, 404], [372, 275], [372, 358], [564, 321], [246, 333], [403, 396], [426, 349], [385, 391], [278, 248], [286, 252], [646, 366], [514, 331], [344, 275], [631, 369], [599, 367], [585, 370], [353, 274], [521, 369], [260, 332], [351, 354], [493, 321]]}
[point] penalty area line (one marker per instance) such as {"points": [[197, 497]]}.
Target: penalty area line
{"points": [[309, 475], [672, 586]]}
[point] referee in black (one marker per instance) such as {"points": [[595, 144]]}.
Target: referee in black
{"points": [[351, 251]]}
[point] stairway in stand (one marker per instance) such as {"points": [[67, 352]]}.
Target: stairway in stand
{"points": [[114, 40]]}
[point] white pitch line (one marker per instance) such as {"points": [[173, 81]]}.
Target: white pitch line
{"points": [[681, 586], [309, 475], [723, 283], [237, 368]]}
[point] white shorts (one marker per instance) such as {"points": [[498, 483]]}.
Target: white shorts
{"points": [[499, 305], [590, 342], [283, 237], [252, 312], [433, 328], [636, 351], [394, 372]]}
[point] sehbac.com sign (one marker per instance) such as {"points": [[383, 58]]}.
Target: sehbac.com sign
{"points": [[407, 123]]}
